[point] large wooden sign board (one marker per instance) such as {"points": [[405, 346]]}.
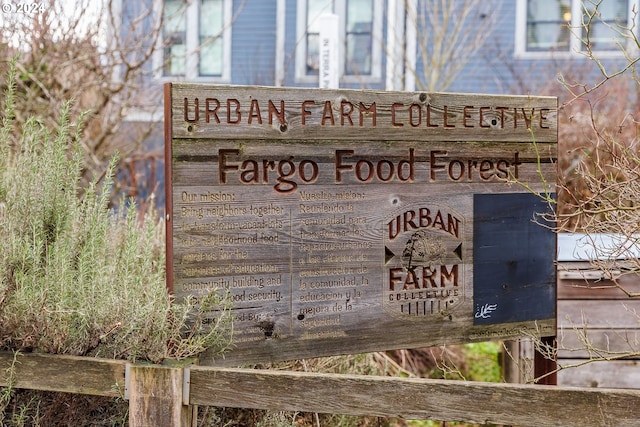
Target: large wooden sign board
{"points": [[345, 221]]}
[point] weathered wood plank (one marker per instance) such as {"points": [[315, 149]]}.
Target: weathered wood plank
{"points": [[542, 152], [611, 374], [70, 374], [597, 319], [600, 289], [590, 343], [236, 112], [609, 314], [156, 397], [524, 405], [518, 361], [445, 165]]}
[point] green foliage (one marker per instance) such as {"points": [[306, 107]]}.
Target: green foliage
{"points": [[483, 361], [75, 277]]}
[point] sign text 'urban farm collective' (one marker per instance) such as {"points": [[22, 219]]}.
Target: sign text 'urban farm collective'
{"points": [[347, 221]]}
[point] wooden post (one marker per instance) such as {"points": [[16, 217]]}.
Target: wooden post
{"points": [[545, 368], [156, 397], [517, 361]]}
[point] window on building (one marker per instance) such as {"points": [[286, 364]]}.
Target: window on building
{"points": [[174, 35], [603, 32], [360, 33], [548, 25], [359, 37], [315, 9], [210, 29], [195, 40], [565, 26]]}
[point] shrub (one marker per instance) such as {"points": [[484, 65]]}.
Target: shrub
{"points": [[76, 277]]}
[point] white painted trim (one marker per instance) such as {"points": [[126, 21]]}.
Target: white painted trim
{"points": [[142, 114], [597, 246], [396, 75], [193, 27], [520, 41], [281, 10], [634, 22], [114, 14], [158, 54], [576, 17], [411, 47], [391, 79], [301, 43], [226, 41], [340, 9], [376, 38]]}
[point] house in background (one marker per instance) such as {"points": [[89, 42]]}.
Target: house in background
{"points": [[487, 46], [386, 44]]}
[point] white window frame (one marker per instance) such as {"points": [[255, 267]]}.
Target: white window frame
{"points": [[192, 39], [575, 47], [340, 9]]}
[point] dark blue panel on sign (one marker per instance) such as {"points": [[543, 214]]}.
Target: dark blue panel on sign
{"points": [[514, 272]]}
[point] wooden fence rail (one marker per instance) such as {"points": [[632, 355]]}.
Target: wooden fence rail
{"points": [[163, 396]]}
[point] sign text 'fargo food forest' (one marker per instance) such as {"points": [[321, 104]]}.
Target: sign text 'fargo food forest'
{"points": [[344, 221]]}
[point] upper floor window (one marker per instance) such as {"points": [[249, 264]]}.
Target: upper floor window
{"points": [[569, 26], [174, 37], [360, 38], [195, 40], [548, 25], [605, 30]]}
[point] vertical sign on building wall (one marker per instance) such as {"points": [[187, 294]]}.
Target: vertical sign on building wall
{"points": [[329, 47], [343, 221]]}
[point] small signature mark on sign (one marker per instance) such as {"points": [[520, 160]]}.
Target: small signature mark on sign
{"points": [[485, 311]]}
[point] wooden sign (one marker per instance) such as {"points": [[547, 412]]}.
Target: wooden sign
{"points": [[345, 221]]}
